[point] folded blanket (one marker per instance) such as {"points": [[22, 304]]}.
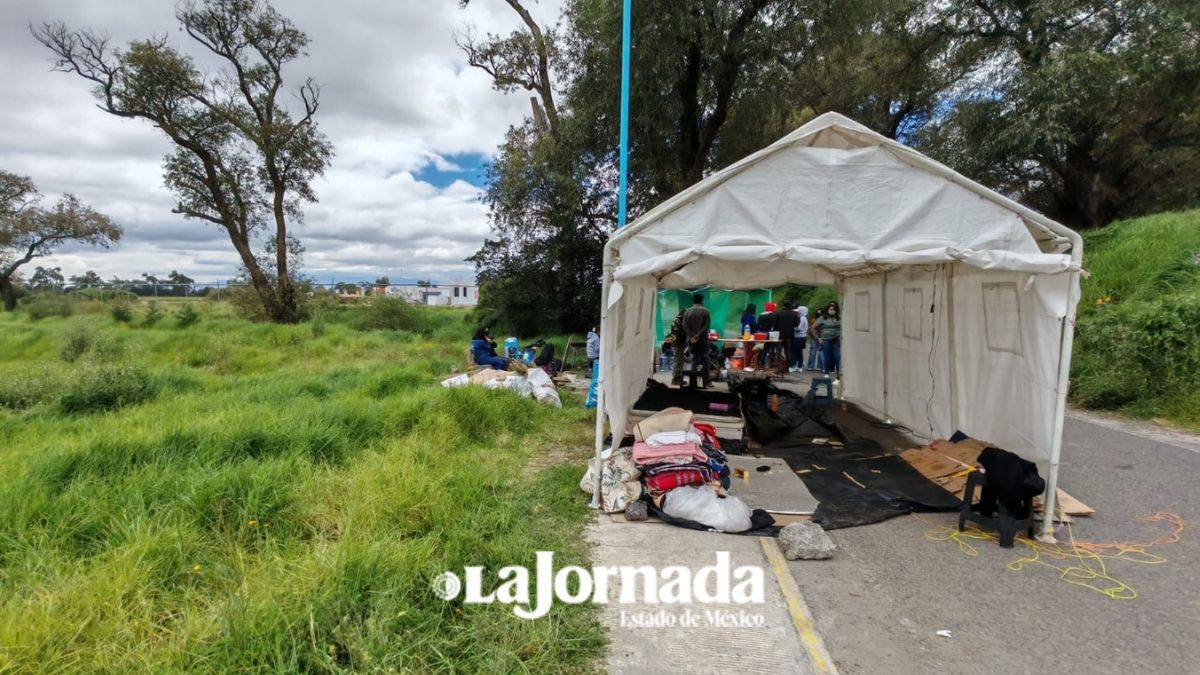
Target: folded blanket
{"points": [[673, 438], [644, 453], [671, 419]]}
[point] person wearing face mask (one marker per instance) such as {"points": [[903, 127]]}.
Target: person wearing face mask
{"points": [[829, 329]]}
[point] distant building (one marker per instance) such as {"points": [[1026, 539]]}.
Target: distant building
{"points": [[454, 294]]}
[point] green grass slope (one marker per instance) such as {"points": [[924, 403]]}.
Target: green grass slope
{"points": [[1137, 344], [235, 497]]}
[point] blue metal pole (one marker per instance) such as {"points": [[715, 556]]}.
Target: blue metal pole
{"points": [[624, 161]]}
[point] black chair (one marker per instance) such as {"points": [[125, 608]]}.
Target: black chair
{"points": [[1004, 522]]}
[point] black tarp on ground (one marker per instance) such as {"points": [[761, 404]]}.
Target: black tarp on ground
{"points": [[659, 396], [887, 485]]}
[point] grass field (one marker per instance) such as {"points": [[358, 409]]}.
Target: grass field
{"points": [[231, 496], [1137, 345]]}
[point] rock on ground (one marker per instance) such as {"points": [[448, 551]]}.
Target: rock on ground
{"points": [[805, 540]]}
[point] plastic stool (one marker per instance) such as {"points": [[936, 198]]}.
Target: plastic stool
{"points": [[818, 398], [1005, 522]]}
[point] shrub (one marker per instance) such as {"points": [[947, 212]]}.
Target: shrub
{"points": [[45, 306], [78, 342], [19, 393], [318, 324], [245, 302], [104, 294], [187, 315], [121, 313], [391, 314], [107, 387], [153, 314]]}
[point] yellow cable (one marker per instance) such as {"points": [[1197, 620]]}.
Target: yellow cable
{"points": [[1088, 566]]}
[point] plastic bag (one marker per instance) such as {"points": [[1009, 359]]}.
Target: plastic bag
{"points": [[519, 384], [457, 381], [702, 505], [543, 387]]}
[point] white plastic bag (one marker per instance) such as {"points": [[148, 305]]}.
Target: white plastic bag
{"points": [[701, 504], [543, 387], [457, 381], [519, 384]]}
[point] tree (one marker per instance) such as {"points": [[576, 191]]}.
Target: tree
{"points": [[242, 160], [181, 284], [46, 279], [1083, 109], [551, 190], [86, 280], [28, 230], [522, 60]]}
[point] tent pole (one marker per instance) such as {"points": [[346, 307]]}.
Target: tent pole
{"points": [[600, 386], [883, 343], [952, 365], [622, 183], [1060, 409], [623, 169]]}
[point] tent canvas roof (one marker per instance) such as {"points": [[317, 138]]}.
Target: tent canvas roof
{"points": [[831, 199]]}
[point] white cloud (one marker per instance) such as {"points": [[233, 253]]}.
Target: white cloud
{"points": [[396, 97]]}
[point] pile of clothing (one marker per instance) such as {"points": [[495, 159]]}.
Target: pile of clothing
{"points": [[672, 450], [686, 475]]}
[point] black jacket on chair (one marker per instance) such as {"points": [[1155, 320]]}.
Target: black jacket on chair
{"points": [[1010, 480]]}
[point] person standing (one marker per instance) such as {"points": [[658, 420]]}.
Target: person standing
{"points": [[815, 360], [677, 340], [593, 348], [829, 328], [796, 354], [785, 325], [749, 319], [696, 324]]}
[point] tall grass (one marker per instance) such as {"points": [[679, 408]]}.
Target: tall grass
{"points": [[1138, 330], [281, 501]]}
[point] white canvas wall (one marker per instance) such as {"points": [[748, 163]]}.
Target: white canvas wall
{"points": [[999, 386]]}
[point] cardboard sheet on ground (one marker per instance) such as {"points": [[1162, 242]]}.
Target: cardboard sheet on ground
{"points": [[777, 489], [944, 462]]}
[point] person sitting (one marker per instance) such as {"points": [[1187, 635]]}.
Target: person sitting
{"points": [[483, 349]]}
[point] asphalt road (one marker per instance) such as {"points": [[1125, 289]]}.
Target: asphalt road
{"points": [[880, 602]]}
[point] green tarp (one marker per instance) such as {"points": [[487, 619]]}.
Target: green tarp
{"points": [[725, 306]]}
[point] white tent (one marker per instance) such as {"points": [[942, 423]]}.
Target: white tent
{"points": [[958, 303]]}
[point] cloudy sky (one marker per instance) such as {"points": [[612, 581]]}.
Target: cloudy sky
{"points": [[411, 125]]}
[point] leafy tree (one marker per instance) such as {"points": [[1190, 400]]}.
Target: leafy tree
{"points": [[85, 280], [46, 279], [242, 160], [552, 188], [1084, 109], [181, 283], [28, 230]]}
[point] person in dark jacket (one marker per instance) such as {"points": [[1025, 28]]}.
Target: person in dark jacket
{"points": [[483, 349], [696, 323], [785, 323], [766, 322], [749, 318]]}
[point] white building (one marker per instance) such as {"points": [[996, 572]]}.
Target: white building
{"points": [[454, 294]]}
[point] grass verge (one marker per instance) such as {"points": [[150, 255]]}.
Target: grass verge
{"points": [[230, 496]]}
